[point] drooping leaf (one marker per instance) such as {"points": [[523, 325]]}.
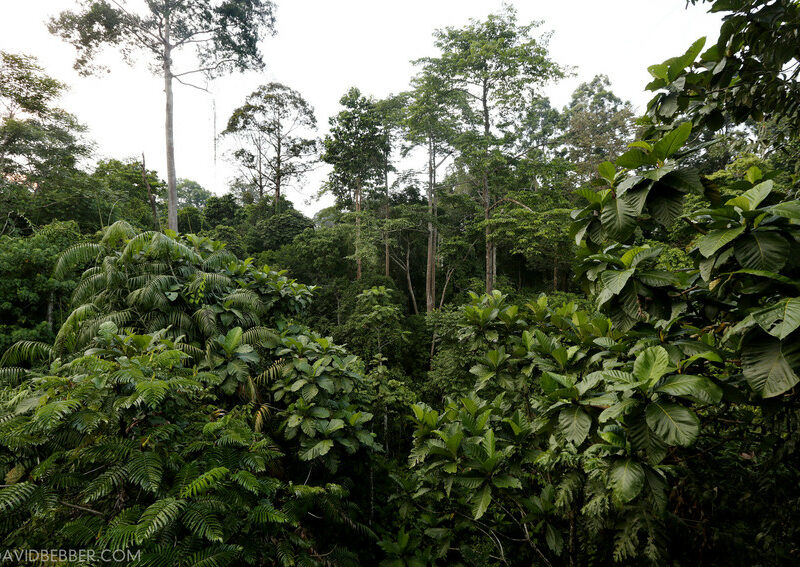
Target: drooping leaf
{"points": [[780, 319], [698, 387], [770, 365], [716, 239], [574, 423], [673, 141], [676, 424], [766, 251], [651, 364], [618, 218], [626, 478]]}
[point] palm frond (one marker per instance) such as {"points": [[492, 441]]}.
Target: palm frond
{"points": [[260, 336], [26, 351], [76, 254], [117, 233]]}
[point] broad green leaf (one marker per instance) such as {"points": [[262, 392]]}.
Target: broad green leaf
{"points": [[709, 243], [607, 171], [626, 477], [698, 387], [678, 64], [770, 365], [617, 410], [481, 502], [618, 218], [676, 424], [635, 158], [753, 174], [233, 339], [651, 364], [575, 424], [554, 539], [766, 251], [318, 449], [751, 199], [788, 209], [781, 319], [615, 280], [673, 141]]}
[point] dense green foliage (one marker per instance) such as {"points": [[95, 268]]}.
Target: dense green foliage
{"points": [[559, 341]]}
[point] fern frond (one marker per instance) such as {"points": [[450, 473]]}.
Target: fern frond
{"points": [[260, 336], [26, 351], [157, 516], [204, 482]]}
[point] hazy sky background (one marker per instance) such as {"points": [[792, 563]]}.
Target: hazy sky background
{"points": [[325, 46]]}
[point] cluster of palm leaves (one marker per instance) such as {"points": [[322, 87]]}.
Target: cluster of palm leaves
{"points": [[160, 421]]}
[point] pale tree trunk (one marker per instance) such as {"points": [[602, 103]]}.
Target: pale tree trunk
{"points": [[278, 172], [408, 279], [172, 182], [430, 265], [358, 229], [490, 256], [386, 213]]}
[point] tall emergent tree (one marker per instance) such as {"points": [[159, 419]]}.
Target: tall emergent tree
{"points": [[430, 123], [273, 132], [356, 148], [598, 127], [224, 33], [497, 64]]}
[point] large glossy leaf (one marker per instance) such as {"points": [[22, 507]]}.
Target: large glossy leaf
{"points": [[574, 423], [481, 501], [698, 387], [626, 477], [716, 239], [618, 218], [676, 424], [634, 158], [651, 364], [781, 319], [615, 280], [770, 365], [762, 251], [673, 141], [751, 198]]}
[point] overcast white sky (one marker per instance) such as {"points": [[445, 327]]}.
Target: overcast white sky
{"points": [[325, 46]]}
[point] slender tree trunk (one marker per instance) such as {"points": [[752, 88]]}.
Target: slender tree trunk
{"points": [[490, 257], [358, 229], [444, 288], [156, 222], [386, 214], [50, 302], [430, 264], [172, 182], [278, 174], [555, 275], [408, 279], [488, 234]]}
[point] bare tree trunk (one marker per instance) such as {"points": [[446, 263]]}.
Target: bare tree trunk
{"points": [[490, 257], [172, 182], [358, 229], [430, 264], [408, 279], [386, 216], [50, 301], [555, 275], [278, 175], [488, 233], [444, 288], [156, 222]]}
